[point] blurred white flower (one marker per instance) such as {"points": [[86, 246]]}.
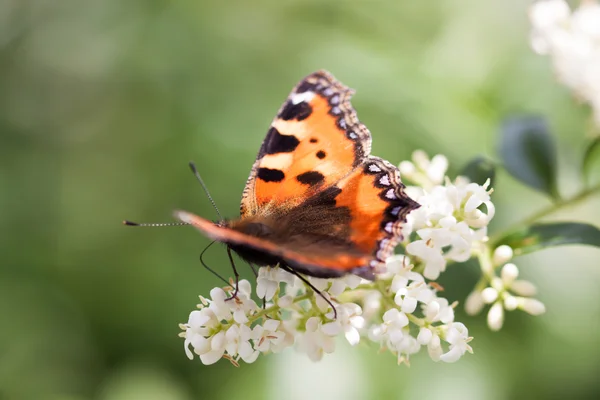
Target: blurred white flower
{"points": [[523, 288], [315, 341], [572, 39], [531, 306], [474, 303], [502, 254], [267, 282], [489, 295], [495, 317], [423, 171]]}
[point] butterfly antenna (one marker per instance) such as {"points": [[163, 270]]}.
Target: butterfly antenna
{"points": [[131, 223], [212, 271], [199, 178]]}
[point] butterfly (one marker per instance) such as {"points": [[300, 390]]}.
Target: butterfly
{"points": [[316, 202]]}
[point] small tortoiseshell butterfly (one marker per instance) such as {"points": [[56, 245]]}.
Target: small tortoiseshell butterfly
{"points": [[316, 202]]}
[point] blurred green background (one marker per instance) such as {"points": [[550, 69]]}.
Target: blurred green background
{"points": [[103, 103]]}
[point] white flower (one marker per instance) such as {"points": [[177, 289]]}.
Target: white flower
{"points": [[267, 282], [351, 322], [314, 341], [238, 343], [218, 304], [434, 347], [423, 171], [268, 336], [242, 305], [431, 255], [573, 42], [438, 309], [216, 351], [458, 337], [198, 327]]}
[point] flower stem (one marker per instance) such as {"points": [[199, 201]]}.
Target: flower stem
{"points": [[554, 207]]}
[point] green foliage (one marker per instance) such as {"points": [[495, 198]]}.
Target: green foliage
{"points": [[479, 170], [528, 153], [540, 236], [591, 161]]}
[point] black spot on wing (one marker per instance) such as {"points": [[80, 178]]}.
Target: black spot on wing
{"points": [[275, 142], [310, 178], [304, 86], [321, 154], [324, 198], [298, 111], [270, 175], [313, 140]]}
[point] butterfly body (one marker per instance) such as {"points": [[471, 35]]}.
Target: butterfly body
{"points": [[316, 202]]}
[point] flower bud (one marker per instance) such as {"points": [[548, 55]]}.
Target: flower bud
{"points": [[532, 306], [502, 255], [509, 273], [510, 303], [523, 288], [424, 336], [495, 317], [474, 303], [489, 295]]}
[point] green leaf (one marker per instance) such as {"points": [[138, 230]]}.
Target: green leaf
{"points": [[540, 236], [529, 154], [479, 170], [591, 161]]}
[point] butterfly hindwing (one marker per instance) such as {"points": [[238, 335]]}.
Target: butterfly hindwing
{"points": [[315, 140], [378, 206]]}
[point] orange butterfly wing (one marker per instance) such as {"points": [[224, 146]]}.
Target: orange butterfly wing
{"points": [[332, 264], [378, 207], [315, 141]]}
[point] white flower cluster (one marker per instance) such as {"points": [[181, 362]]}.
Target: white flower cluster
{"points": [[401, 311], [572, 39], [450, 221], [238, 329], [505, 292]]}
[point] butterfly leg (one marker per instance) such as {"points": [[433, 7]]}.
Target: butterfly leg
{"points": [[264, 302], [310, 285], [235, 273], [253, 270]]}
